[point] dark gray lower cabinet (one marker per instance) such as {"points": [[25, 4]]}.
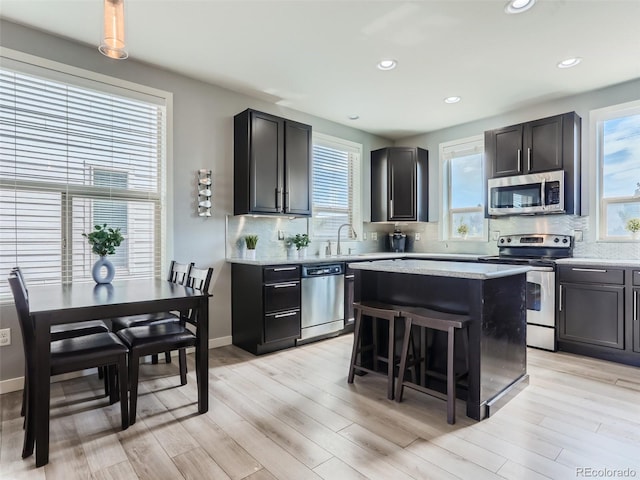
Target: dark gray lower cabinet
{"points": [[265, 303], [598, 309]]}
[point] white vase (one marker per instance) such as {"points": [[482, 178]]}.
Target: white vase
{"points": [[302, 253], [97, 274], [250, 254]]}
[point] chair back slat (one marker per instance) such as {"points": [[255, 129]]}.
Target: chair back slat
{"points": [[179, 272], [27, 328], [200, 278]]}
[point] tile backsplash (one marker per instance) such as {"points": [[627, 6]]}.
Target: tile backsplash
{"points": [[270, 246]]}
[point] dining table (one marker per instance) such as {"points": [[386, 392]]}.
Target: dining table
{"points": [[78, 302]]}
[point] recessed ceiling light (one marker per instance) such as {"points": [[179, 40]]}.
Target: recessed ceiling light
{"points": [[354, 117], [569, 62], [387, 64], [452, 99], [519, 6]]}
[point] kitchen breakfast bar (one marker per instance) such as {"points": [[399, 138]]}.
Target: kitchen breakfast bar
{"points": [[493, 296]]}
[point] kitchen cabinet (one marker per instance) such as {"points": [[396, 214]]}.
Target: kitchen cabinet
{"points": [[351, 286], [400, 185], [265, 306], [635, 309], [272, 165], [597, 311], [542, 145]]}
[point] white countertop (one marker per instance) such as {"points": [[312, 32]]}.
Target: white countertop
{"points": [[358, 257], [625, 262], [480, 271]]}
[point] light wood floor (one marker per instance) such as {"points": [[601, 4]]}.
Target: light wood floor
{"points": [[292, 415]]}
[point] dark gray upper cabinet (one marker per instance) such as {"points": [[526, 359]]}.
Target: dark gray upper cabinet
{"points": [[551, 143], [272, 165], [400, 184]]}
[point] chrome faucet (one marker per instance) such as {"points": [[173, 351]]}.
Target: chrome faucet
{"points": [[355, 235]]}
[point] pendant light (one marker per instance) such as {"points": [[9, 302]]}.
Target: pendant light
{"points": [[113, 45]]}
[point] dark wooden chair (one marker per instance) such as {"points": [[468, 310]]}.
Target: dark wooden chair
{"points": [[162, 337], [64, 331], [445, 322], [68, 355], [374, 311], [178, 273]]}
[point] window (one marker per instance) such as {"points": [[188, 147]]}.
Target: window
{"points": [[336, 186], [464, 190], [617, 136], [75, 153]]}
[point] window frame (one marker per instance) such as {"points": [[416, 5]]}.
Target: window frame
{"points": [[353, 149], [473, 144], [599, 204], [32, 65]]}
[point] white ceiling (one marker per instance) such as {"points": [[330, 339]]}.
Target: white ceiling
{"points": [[319, 56]]}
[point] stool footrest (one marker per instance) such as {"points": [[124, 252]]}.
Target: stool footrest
{"points": [[428, 391]]}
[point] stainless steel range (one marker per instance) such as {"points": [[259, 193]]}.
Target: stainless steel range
{"points": [[539, 251]]}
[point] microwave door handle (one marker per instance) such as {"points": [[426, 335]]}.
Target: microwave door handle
{"points": [[544, 200]]}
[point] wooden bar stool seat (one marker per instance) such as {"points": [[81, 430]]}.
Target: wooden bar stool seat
{"points": [[445, 322], [374, 311]]}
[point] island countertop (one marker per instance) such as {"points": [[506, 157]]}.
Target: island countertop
{"points": [[479, 271]]}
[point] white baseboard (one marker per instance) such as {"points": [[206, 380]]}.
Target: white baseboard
{"points": [[15, 384]]}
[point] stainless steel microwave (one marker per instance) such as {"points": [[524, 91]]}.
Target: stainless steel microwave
{"points": [[527, 194]]}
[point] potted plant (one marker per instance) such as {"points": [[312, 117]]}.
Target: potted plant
{"points": [[251, 241], [103, 241], [301, 241], [463, 230], [633, 225]]}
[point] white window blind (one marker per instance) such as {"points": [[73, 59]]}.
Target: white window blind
{"points": [[336, 186], [463, 199], [72, 157]]}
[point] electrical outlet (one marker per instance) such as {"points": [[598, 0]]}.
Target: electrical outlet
{"points": [[280, 235], [374, 236], [577, 236], [364, 235], [417, 236], [5, 337], [495, 235]]}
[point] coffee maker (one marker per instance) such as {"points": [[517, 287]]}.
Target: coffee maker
{"points": [[397, 241]]}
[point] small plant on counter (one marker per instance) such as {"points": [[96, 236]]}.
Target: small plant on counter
{"points": [[633, 225], [251, 241], [301, 240], [104, 240], [463, 230]]}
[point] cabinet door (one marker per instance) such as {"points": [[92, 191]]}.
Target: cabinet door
{"points": [[507, 151], [592, 314], [297, 181], [266, 191], [543, 145], [402, 184], [635, 298]]}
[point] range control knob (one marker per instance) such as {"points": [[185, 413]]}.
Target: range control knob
{"points": [[509, 240], [565, 240], [502, 240], [556, 240]]}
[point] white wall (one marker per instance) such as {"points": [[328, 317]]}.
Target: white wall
{"points": [[202, 138]]}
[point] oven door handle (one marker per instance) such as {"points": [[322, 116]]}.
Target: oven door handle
{"points": [[560, 299]]}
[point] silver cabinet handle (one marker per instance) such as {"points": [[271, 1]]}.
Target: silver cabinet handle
{"points": [[284, 269], [560, 300], [635, 305], [349, 277], [283, 285], [287, 201], [277, 198], [288, 314], [595, 270], [519, 160], [529, 158]]}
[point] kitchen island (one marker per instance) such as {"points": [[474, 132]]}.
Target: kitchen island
{"points": [[494, 296]]}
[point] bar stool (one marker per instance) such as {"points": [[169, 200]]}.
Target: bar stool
{"points": [[445, 322], [375, 311]]}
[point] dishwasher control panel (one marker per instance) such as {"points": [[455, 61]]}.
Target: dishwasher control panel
{"points": [[320, 270]]}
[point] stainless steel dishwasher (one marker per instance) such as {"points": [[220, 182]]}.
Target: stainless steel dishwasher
{"points": [[322, 300]]}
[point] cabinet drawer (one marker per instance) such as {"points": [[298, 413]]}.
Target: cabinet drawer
{"points": [[283, 325], [636, 277], [280, 273], [281, 296], [591, 274]]}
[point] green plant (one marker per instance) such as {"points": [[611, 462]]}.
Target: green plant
{"points": [[633, 225], [300, 240], [104, 240], [463, 229], [251, 241]]}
